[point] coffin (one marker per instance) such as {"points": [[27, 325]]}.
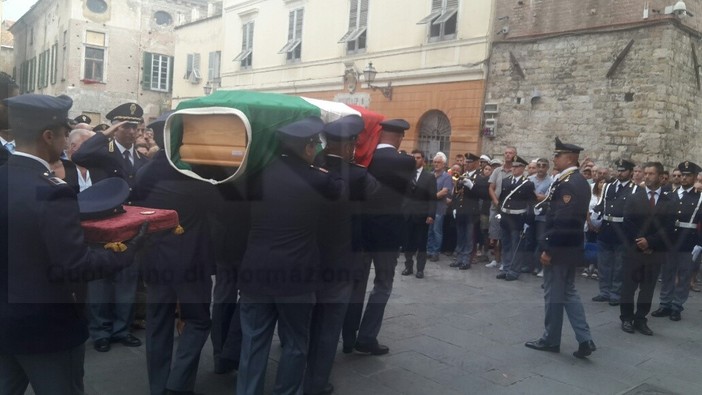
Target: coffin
{"points": [[221, 137]]}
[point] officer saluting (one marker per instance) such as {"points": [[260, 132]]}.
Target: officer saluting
{"points": [[43, 331], [684, 221], [340, 244], [568, 199], [469, 189], [111, 152]]}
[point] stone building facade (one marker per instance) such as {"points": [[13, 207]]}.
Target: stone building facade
{"points": [[432, 56], [627, 87], [101, 53]]}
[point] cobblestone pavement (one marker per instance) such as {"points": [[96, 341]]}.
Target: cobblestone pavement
{"points": [[463, 332]]}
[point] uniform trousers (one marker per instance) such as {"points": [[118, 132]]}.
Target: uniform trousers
{"points": [[327, 320], [57, 373], [354, 311], [465, 234], [610, 258], [674, 293], [511, 244], [179, 373], [111, 304], [384, 263], [560, 295], [259, 315], [226, 325], [640, 272], [416, 234]]}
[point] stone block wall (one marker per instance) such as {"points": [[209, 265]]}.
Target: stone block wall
{"points": [[648, 109]]}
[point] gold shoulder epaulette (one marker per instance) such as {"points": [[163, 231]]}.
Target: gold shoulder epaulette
{"points": [[323, 170], [111, 146]]}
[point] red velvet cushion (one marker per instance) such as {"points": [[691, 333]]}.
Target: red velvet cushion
{"points": [[124, 226]]}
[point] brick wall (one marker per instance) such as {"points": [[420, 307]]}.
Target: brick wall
{"points": [[647, 110]]}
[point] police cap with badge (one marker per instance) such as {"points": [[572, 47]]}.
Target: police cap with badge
{"points": [[519, 161], [129, 112], [688, 167], [563, 148], [470, 157], [82, 119], [36, 113], [624, 165], [304, 130]]}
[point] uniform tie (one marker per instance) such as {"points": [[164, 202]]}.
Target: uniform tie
{"points": [[127, 160], [652, 199]]}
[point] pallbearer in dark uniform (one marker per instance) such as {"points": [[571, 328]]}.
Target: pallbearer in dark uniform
{"points": [[340, 244], [611, 237], [686, 215], [419, 210], [516, 198], [469, 189], [177, 269], [645, 223], [280, 271], [382, 236], [111, 153], [44, 258], [567, 205]]}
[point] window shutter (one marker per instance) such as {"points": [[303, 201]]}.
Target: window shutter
{"points": [[353, 14], [251, 32], [218, 61], [188, 67], [436, 5], [210, 66], [451, 4], [171, 60], [291, 26], [298, 24], [364, 13], [196, 62], [146, 71]]}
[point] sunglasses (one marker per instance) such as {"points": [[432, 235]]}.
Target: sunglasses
{"points": [[542, 165]]}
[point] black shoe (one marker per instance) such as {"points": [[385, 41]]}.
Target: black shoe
{"points": [[434, 258], [454, 264], [600, 298], [541, 346], [328, 389], [584, 349], [225, 365], [372, 349], [628, 326], [501, 276], [102, 345], [129, 341], [675, 316], [614, 303], [643, 328], [347, 349], [407, 272], [465, 266], [661, 312], [525, 270], [420, 274]]}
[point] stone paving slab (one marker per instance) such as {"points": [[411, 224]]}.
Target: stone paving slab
{"points": [[462, 332]]}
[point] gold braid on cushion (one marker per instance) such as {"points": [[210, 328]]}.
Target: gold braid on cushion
{"points": [[116, 246], [178, 230]]}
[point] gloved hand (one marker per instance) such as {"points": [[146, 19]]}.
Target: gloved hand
{"points": [[467, 183], [525, 227], [138, 241]]}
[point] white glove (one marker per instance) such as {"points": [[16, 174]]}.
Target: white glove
{"points": [[467, 183], [696, 253], [595, 219], [524, 229], [454, 214]]}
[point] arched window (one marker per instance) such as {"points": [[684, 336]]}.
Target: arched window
{"points": [[97, 6], [163, 18], [434, 133]]}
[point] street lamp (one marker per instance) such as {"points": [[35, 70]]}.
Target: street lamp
{"points": [[369, 74]]}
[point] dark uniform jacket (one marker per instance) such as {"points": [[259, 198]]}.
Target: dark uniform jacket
{"points": [[569, 201], [44, 259], [640, 220], [420, 200], [611, 207], [516, 200], [383, 213], [175, 258], [71, 174], [282, 255], [4, 155], [466, 200], [683, 227], [341, 233], [101, 156]]}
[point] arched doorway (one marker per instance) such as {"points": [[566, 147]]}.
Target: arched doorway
{"points": [[434, 133]]}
